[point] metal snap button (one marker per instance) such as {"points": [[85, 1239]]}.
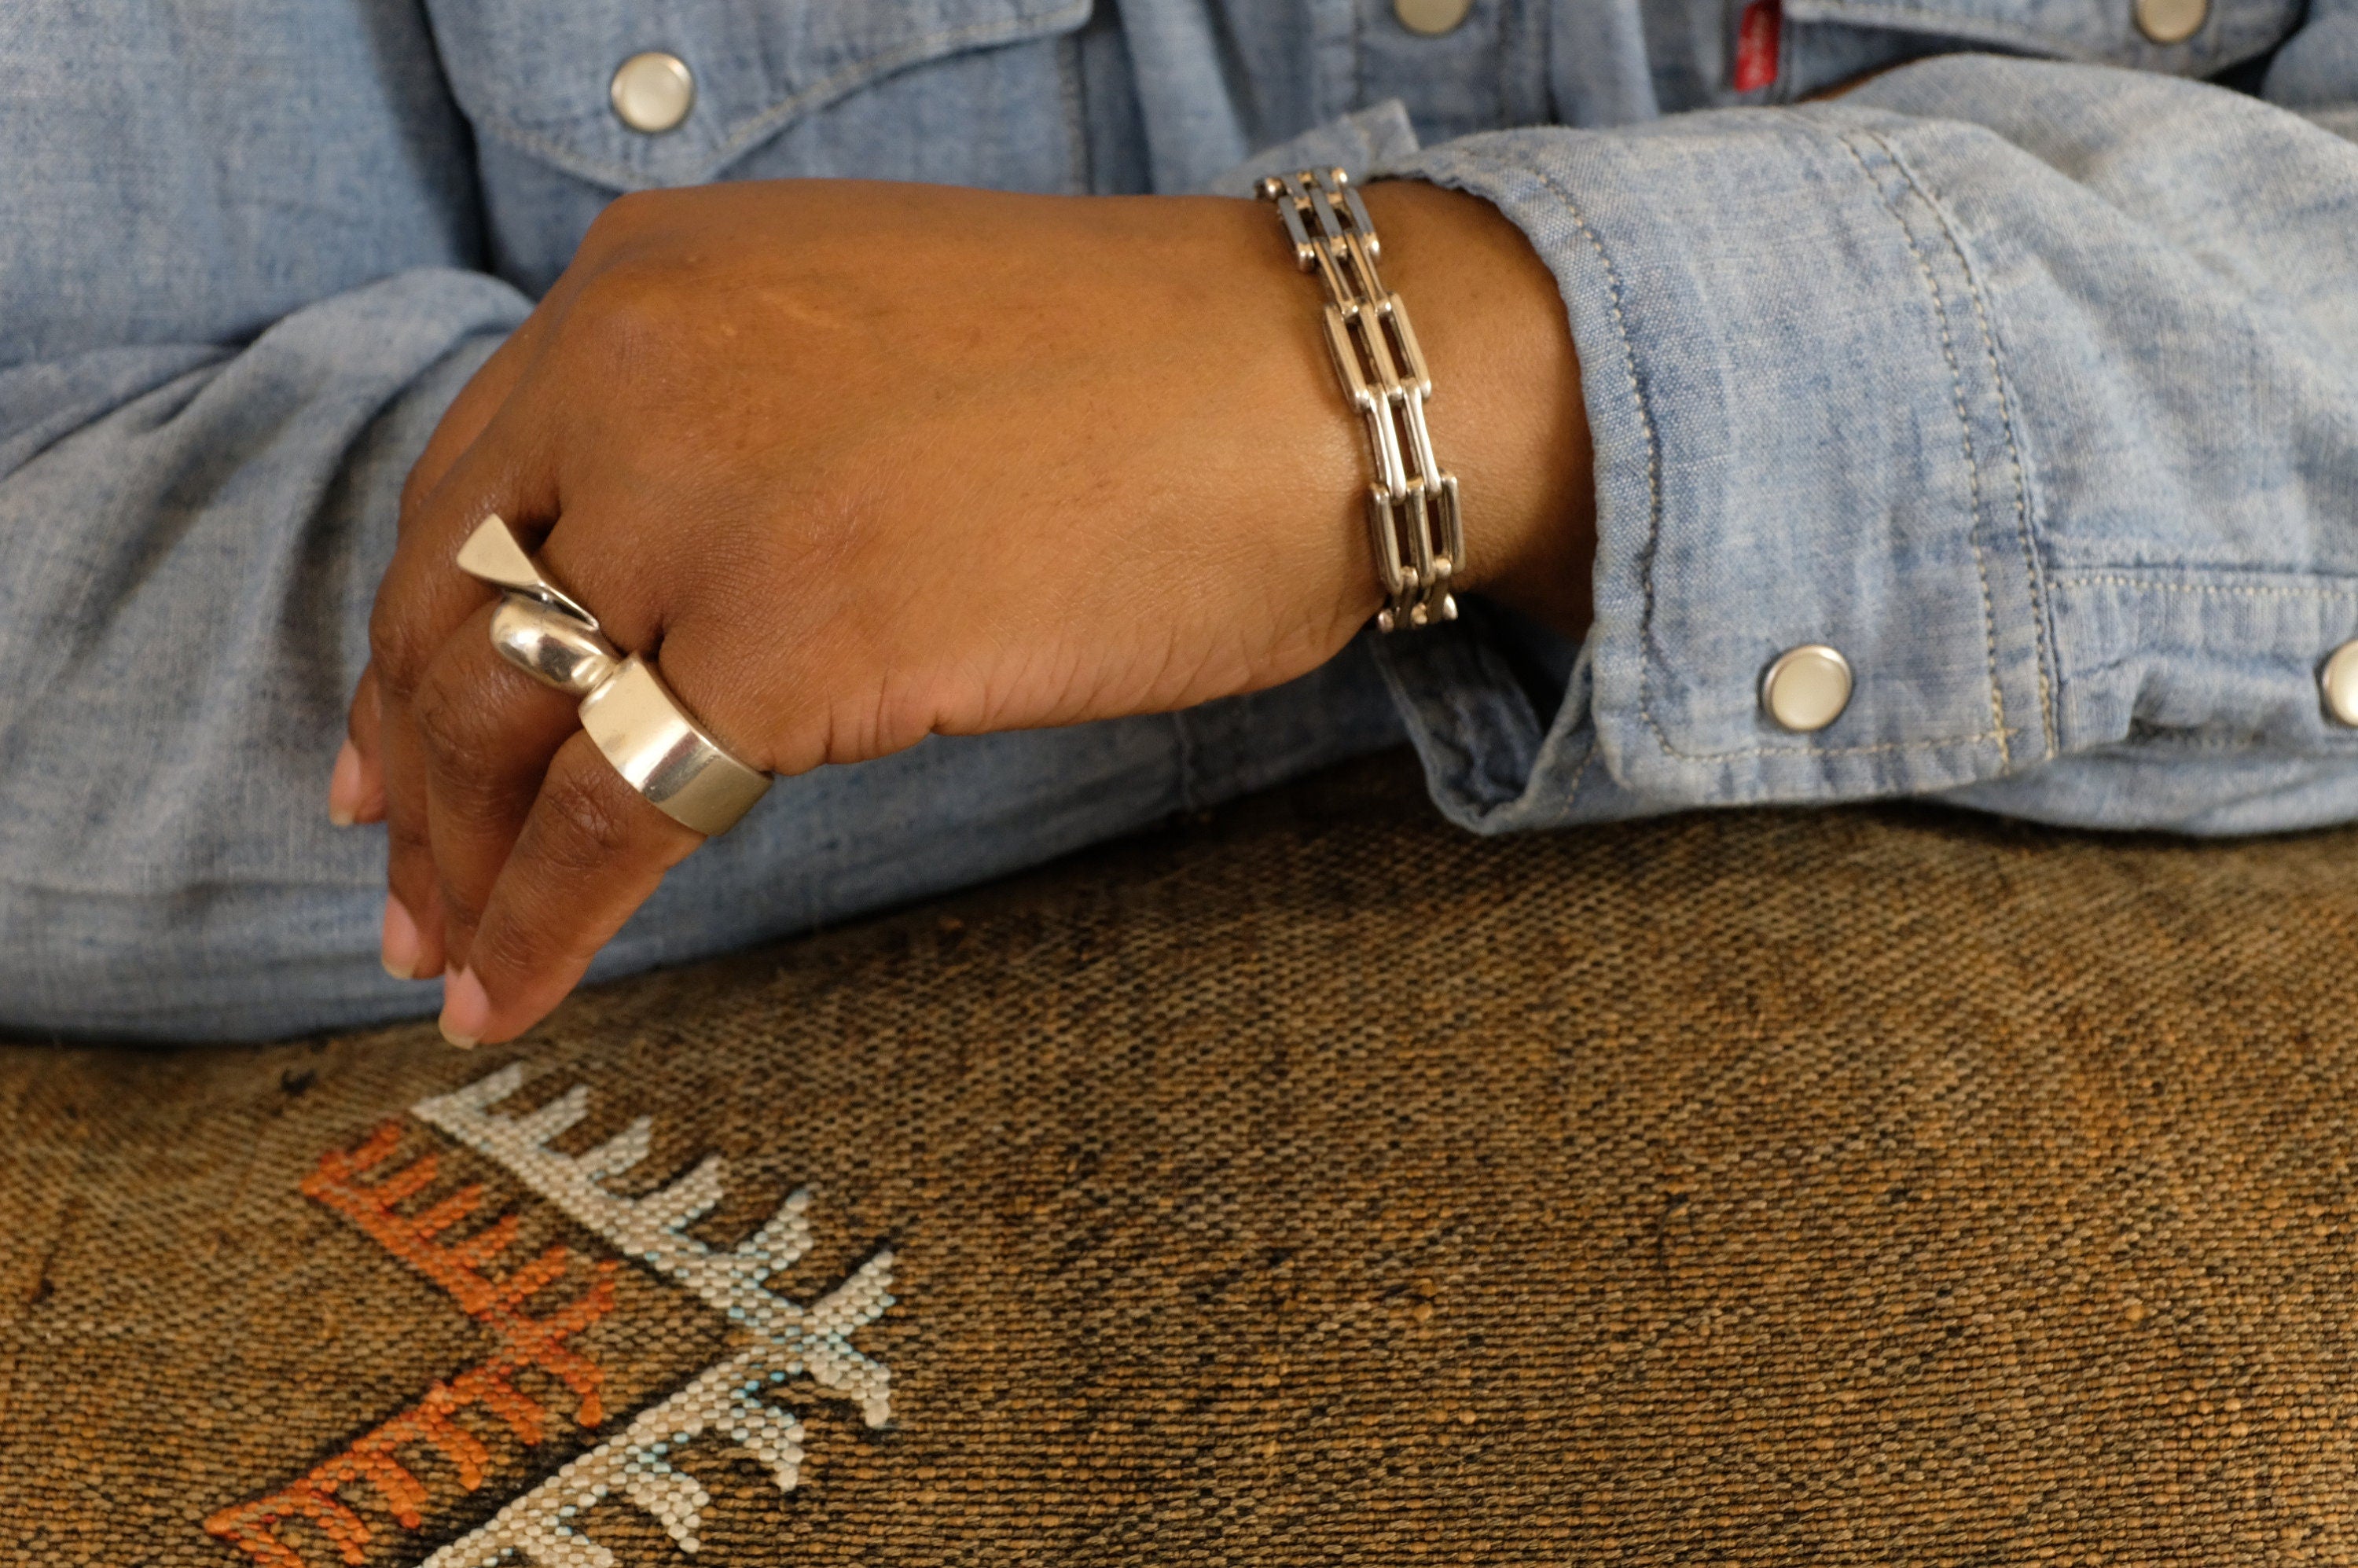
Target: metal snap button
{"points": [[2172, 21], [652, 92], [1431, 17], [2338, 681], [1807, 688]]}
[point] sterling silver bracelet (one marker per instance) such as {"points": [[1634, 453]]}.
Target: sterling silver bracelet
{"points": [[1413, 505]]}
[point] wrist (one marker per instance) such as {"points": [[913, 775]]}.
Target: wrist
{"points": [[1506, 412]]}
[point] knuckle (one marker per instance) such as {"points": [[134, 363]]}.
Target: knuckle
{"points": [[614, 222], [447, 718], [414, 491], [631, 303], [628, 215], [501, 948], [406, 842], [618, 286], [589, 814], [398, 647]]}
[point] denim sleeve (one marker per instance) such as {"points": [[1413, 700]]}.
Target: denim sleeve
{"points": [[189, 538], [2032, 388]]}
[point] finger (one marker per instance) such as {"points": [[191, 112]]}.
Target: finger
{"points": [[353, 797], [424, 595], [421, 603], [356, 791], [592, 851], [489, 730], [359, 777], [356, 787], [413, 916]]}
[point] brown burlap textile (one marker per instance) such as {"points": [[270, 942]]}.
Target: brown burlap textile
{"points": [[1316, 1185]]}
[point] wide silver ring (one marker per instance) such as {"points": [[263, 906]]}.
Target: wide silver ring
{"points": [[635, 719]]}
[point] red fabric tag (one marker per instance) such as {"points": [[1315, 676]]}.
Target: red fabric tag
{"points": [[1756, 40]]}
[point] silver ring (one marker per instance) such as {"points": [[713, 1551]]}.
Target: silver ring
{"points": [[631, 717], [551, 646]]}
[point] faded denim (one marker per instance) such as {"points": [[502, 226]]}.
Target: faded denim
{"points": [[2028, 380]]}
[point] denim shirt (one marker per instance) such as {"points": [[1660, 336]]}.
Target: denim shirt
{"points": [[2027, 379]]}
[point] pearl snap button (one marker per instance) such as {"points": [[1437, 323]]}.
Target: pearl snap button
{"points": [[1430, 17], [2172, 21], [652, 92], [2339, 682], [1807, 688]]}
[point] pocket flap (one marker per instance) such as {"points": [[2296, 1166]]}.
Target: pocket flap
{"points": [[537, 73], [2097, 31]]}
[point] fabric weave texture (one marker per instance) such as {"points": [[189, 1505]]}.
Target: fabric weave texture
{"points": [[1314, 1183]]}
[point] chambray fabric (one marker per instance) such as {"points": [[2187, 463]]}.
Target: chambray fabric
{"points": [[2028, 379]]}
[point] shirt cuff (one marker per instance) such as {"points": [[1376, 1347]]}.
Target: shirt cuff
{"points": [[1801, 436]]}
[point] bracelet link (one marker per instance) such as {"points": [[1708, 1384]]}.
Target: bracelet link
{"points": [[1412, 512]]}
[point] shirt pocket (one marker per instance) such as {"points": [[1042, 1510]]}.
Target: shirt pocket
{"points": [[537, 75], [1831, 37]]}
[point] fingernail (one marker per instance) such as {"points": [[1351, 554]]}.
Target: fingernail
{"points": [[344, 787], [466, 1010], [400, 957]]}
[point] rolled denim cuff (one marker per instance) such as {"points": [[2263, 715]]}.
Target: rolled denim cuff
{"points": [[1801, 436], [1367, 140]]}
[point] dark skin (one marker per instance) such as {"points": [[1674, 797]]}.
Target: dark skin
{"points": [[868, 462]]}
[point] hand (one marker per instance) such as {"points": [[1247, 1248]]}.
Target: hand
{"points": [[861, 463]]}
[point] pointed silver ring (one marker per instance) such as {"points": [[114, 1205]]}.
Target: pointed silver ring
{"points": [[632, 718]]}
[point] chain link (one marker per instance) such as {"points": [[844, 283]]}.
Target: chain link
{"points": [[1412, 519]]}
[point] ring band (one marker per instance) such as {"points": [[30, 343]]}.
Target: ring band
{"points": [[666, 755], [630, 716]]}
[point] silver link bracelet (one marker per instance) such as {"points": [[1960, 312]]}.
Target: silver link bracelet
{"points": [[1413, 505]]}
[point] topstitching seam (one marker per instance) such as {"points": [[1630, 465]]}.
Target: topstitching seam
{"points": [[1646, 422], [2006, 423], [1965, 431], [1998, 733], [1571, 793], [2263, 590]]}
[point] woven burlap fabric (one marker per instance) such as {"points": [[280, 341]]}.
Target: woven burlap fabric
{"points": [[1317, 1185]]}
